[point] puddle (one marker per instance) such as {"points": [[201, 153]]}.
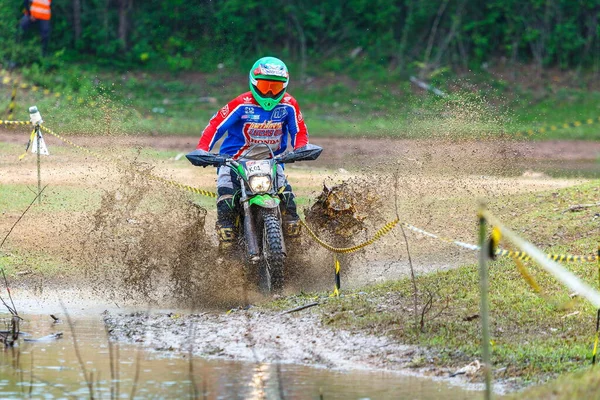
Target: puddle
{"points": [[53, 370]]}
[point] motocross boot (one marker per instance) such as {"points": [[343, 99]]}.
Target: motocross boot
{"points": [[225, 226], [290, 218]]}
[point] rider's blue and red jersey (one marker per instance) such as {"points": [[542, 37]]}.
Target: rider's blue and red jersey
{"points": [[247, 123]]}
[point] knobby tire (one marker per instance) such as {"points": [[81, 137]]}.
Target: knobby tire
{"points": [[271, 269]]}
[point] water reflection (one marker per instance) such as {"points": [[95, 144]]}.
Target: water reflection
{"points": [[53, 370], [257, 383]]}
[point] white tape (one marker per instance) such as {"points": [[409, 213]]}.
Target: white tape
{"points": [[558, 271], [456, 242]]}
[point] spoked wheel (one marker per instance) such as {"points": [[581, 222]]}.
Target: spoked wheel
{"points": [[271, 266]]}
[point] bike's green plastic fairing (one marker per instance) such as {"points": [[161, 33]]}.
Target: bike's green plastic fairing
{"points": [[270, 68], [265, 201], [241, 171]]}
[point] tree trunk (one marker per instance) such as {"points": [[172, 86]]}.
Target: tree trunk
{"points": [[591, 29], [431, 39], [105, 20], [456, 23], [408, 25], [77, 21], [124, 7]]}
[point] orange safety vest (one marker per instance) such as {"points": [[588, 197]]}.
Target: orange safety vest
{"points": [[40, 9]]}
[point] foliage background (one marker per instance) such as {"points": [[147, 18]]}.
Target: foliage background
{"points": [[400, 34]]}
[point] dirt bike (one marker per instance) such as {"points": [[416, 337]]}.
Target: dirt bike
{"points": [[260, 226]]}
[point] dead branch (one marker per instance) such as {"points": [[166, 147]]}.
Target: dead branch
{"points": [[425, 310], [429, 306], [24, 212], [13, 309], [413, 279], [192, 334], [444, 308], [302, 307], [88, 377], [579, 207]]}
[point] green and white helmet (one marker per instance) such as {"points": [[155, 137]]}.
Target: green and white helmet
{"points": [[269, 78]]}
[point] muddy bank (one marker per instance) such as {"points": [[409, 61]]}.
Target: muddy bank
{"points": [[263, 336]]}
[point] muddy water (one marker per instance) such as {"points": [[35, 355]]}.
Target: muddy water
{"points": [[53, 370]]}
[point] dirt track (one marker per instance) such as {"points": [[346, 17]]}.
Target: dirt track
{"points": [[440, 184], [340, 150]]}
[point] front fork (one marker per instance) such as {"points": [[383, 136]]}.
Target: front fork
{"points": [[250, 233], [249, 228]]}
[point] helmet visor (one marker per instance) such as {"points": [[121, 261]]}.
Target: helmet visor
{"points": [[269, 88]]}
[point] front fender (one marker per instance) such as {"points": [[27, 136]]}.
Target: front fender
{"points": [[264, 201]]}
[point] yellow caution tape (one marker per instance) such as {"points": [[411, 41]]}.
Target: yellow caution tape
{"points": [[566, 125], [7, 79], [467, 246], [182, 186], [8, 122], [563, 275], [527, 276], [538, 290], [381, 232], [555, 257], [151, 176], [499, 252]]}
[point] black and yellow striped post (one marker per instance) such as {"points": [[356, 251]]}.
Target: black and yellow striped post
{"points": [[346, 250], [598, 259], [595, 350], [338, 281]]}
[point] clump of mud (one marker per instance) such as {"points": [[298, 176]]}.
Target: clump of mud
{"points": [[342, 210], [343, 215]]}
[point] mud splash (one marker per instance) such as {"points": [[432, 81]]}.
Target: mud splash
{"points": [[150, 245]]}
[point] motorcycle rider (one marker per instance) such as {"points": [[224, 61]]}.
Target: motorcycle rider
{"points": [[266, 114]]}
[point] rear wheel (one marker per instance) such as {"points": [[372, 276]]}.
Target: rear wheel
{"points": [[271, 266]]}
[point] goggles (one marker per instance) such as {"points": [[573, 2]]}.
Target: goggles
{"points": [[274, 87]]}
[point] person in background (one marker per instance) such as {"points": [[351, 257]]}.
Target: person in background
{"points": [[265, 114], [37, 12]]}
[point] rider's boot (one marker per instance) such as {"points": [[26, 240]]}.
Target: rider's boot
{"points": [[226, 230], [290, 218]]}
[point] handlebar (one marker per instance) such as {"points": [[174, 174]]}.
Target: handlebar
{"points": [[202, 158]]}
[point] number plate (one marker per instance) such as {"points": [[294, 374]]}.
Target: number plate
{"points": [[258, 167]]}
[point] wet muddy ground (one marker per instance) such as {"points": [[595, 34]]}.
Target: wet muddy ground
{"points": [[132, 241], [116, 369]]}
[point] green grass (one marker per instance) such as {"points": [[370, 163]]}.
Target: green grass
{"points": [[578, 385], [535, 336], [564, 106], [16, 198], [108, 103], [36, 264]]}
